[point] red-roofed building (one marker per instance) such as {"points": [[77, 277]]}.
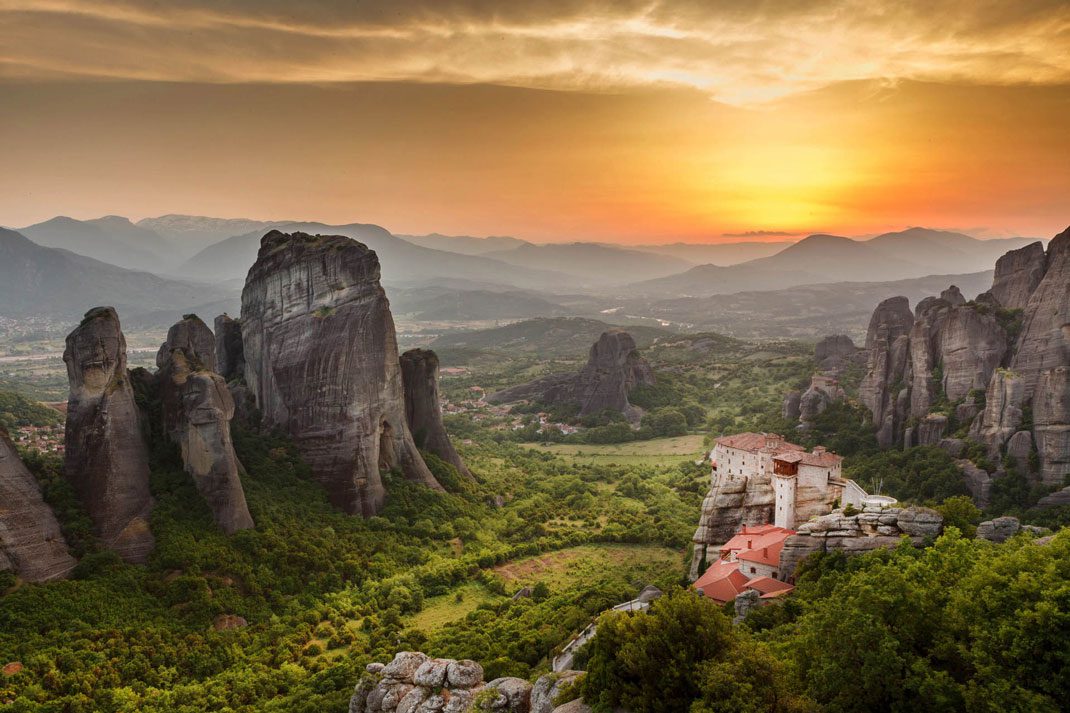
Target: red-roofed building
{"points": [[721, 582], [750, 560]]}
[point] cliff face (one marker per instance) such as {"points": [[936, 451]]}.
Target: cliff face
{"points": [[614, 367], [956, 349], [229, 348], [197, 410], [423, 412], [1017, 275], [883, 389], [31, 544], [106, 457], [321, 359]]}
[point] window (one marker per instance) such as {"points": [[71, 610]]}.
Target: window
{"points": [[774, 575], [753, 570]]}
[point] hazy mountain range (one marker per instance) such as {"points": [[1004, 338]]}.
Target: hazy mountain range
{"points": [[161, 266]]}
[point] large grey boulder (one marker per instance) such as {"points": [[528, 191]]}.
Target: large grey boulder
{"points": [[831, 352], [322, 361], [31, 543], [978, 481], [514, 695], [791, 406], [920, 522], [1000, 529], [419, 373], [549, 687], [197, 410], [106, 456]]}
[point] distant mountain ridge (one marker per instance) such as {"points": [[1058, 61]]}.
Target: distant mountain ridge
{"points": [[464, 244], [112, 239], [403, 263], [592, 263], [40, 281]]}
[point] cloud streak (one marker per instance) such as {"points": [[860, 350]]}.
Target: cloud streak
{"points": [[738, 53]]}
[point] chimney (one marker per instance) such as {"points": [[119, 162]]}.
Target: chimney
{"points": [[749, 543], [765, 552], [819, 450]]}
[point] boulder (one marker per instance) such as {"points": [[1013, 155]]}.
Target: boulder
{"points": [[614, 367], [745, 602], [920, 522], [197, 410], [404, 666], [1000, 529], [464, 674], [106, 457], [229, 348], [952, 446], [31, 543], [576, 706], [431, 673], [423, 412], [1017, 275], [514, 695], [1056, 499], [931, 429], [953, 296], [225, 622], [321, 358], [549, 687]]}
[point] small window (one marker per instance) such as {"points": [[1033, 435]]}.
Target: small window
{"points": [[774, 576], [752, 570]]}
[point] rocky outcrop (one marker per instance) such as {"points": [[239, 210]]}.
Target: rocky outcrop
{"points": [[883, 389], [423, 412], [229, 348], [832, 352], [823, 392], [415, 683], [792, 406], [1017, 275], [197, 410], [931, 429], [875, 527], [106, 456], [614, 367], [978, 482], [322, 362], [1000, 529], [1045, 338], [733, 500], [1002, 415], [31, 544]]}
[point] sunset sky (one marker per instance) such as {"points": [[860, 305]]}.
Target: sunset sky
{"points": [[631, 122]]}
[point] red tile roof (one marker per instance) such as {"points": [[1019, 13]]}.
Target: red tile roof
{"points": [[721, 582], [755, 442], [750, 539], [785, 451], [768, 585]]}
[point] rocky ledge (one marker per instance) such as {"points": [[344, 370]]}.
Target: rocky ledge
{"points": [[872, 528], [415, 683]]}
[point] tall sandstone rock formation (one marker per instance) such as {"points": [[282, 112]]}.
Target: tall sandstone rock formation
{"points": [[197, 409], [956, 349], [423, 412], [106, 456], [614, 368], [321, 359], [229, 348], [31, 544]]}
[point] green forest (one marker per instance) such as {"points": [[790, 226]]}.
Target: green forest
{"points": [[962, 624]]}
